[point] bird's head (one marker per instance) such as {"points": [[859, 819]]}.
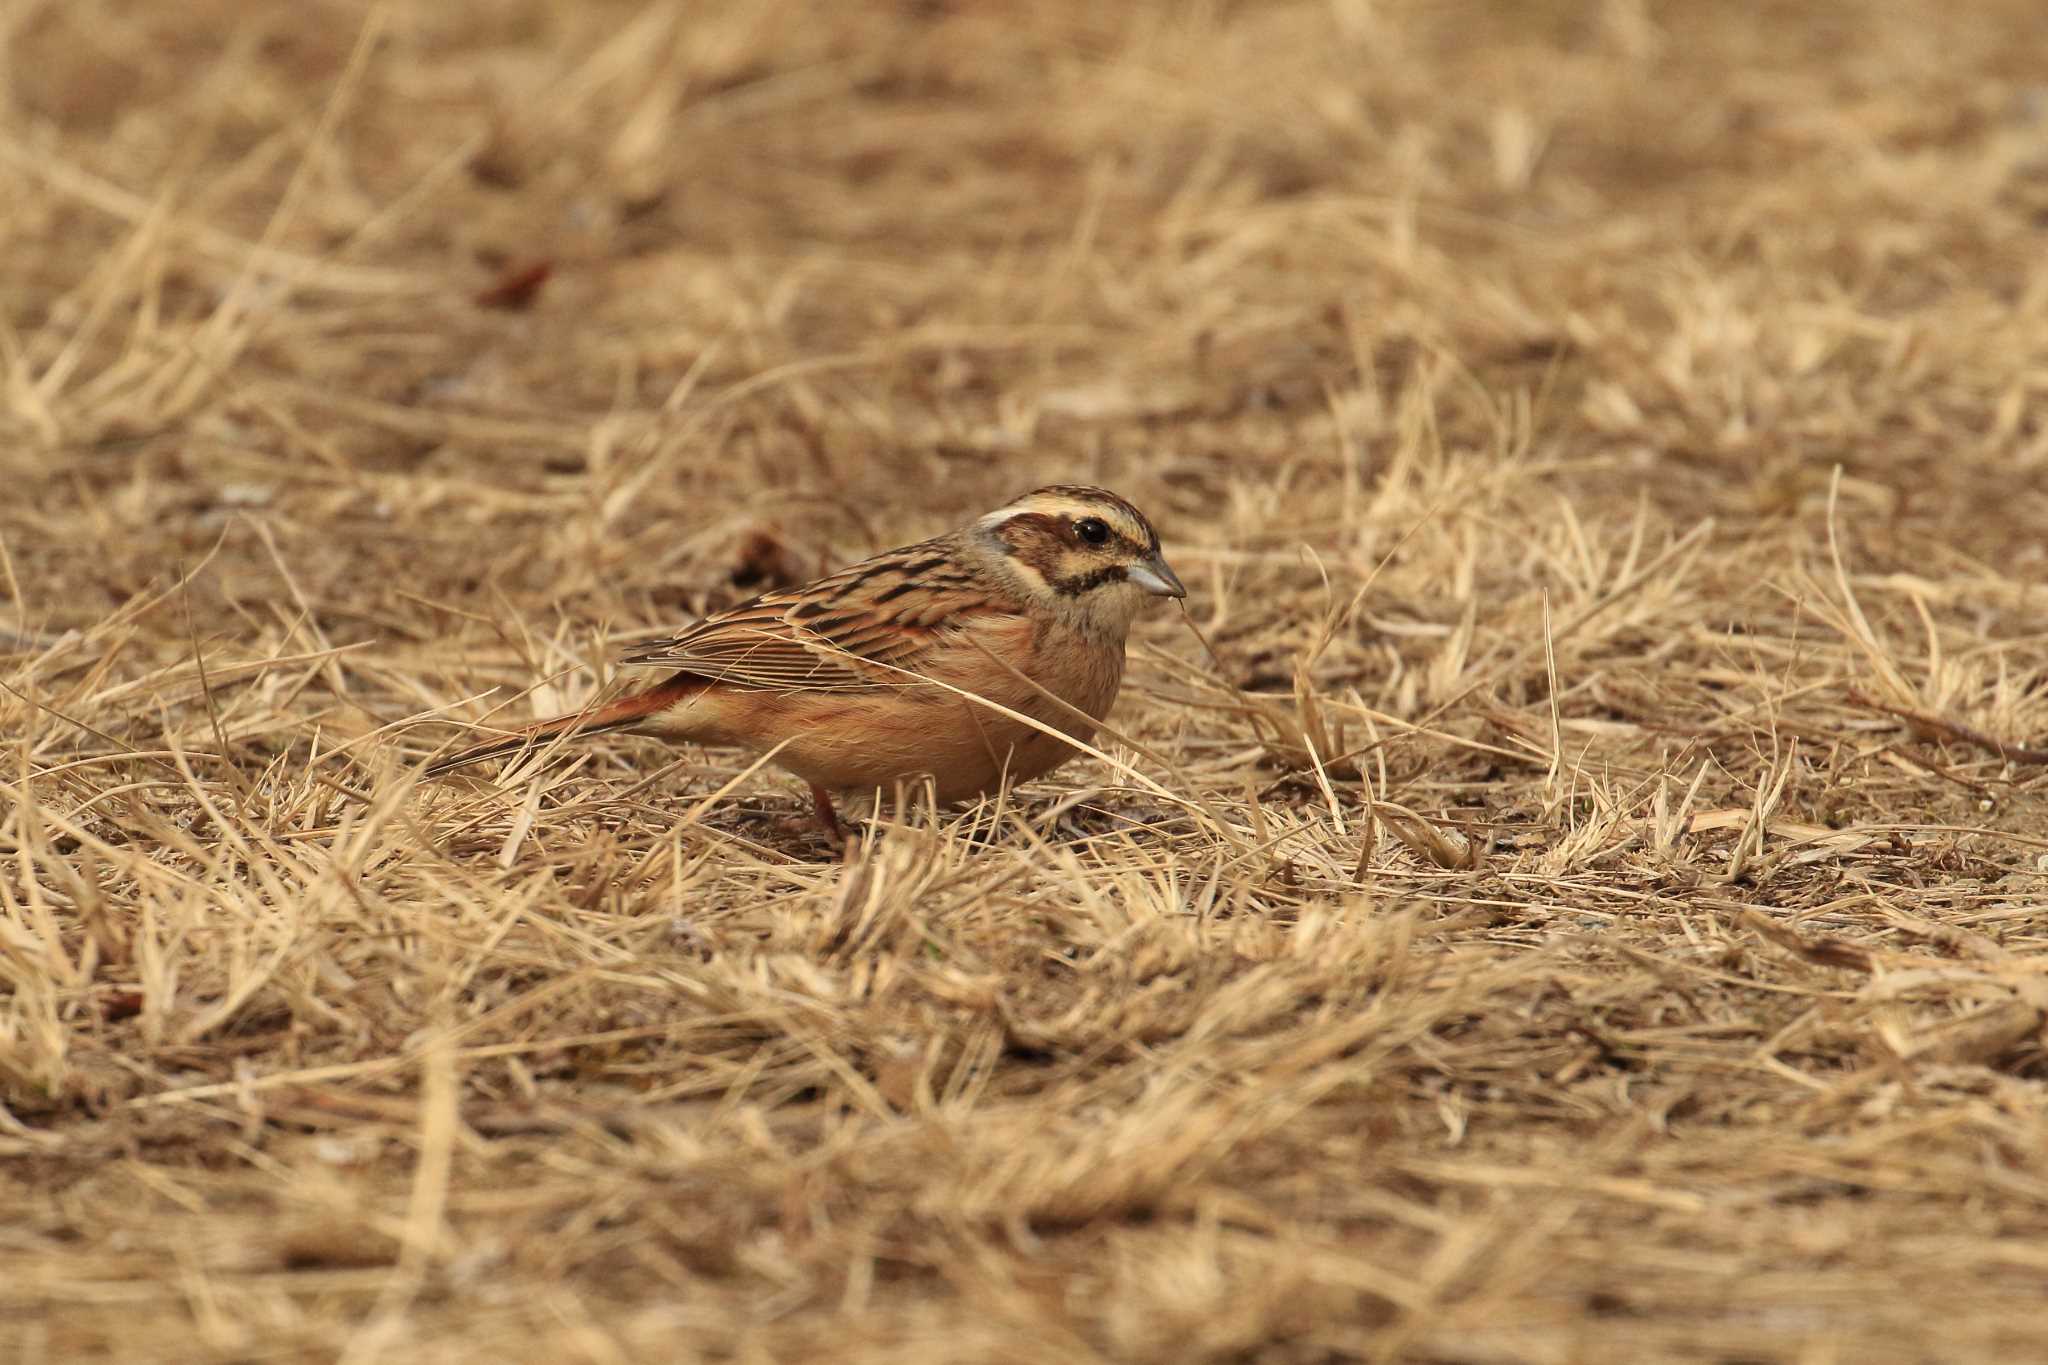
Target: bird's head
{"points": [[1083, 553]]}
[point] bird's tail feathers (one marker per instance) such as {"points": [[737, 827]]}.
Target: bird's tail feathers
{"points": [[622, 714]]}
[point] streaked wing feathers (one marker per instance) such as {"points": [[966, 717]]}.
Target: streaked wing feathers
{"points": [[863, 628]]}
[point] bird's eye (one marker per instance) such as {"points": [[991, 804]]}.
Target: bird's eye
{"points": [[1094, 530]]}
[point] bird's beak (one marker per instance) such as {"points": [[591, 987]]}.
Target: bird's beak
{"points": [[1153, 575]]}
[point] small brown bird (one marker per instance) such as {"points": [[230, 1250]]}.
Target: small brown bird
{"points": [[859, 677]]}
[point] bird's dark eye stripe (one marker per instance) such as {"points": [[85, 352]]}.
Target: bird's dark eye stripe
{"points": [[1088, 582]]}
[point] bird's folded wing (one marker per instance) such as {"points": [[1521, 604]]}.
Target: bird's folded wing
{"points": [[843, 635]]}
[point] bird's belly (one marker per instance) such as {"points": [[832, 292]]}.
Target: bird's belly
{"points": [[877, 740], [965, 750], [864, 741]]}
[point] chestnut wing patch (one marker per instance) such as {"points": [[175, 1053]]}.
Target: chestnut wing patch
{"points": [[858, 631]]}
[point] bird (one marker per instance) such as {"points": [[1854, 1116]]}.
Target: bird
{"points": [[911, 666]]}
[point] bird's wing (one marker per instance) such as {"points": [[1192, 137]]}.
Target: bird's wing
{"points": [[864, 628]]}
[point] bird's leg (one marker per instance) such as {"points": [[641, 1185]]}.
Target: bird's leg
{"points": [[828, 819]]}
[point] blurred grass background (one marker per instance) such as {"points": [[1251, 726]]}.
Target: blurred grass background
{"points": [[1602, 440]]}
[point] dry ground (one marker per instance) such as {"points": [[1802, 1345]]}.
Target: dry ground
{"points": [[1590, 909]]}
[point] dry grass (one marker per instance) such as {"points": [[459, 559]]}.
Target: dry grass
{"points": [[1596, 907]]}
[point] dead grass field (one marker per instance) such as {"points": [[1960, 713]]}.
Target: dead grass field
{"points": [[1593, 908]]}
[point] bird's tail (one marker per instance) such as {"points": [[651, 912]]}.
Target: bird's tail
{"points": [[622, 714]]}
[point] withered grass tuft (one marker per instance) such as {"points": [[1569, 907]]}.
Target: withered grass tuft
{"points": [[1591, 907]]}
